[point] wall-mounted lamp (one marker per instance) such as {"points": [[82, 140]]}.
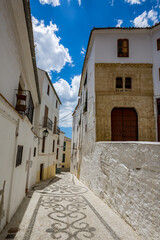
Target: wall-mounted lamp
{"points": [[45, 133]]}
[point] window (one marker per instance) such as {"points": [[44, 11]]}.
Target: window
{"points": [[86, 128], [128, 83], [123, 48], [48, 89], [123, 86], [57, 153], [43, 144], [159, 74], [86, 103], [34, 152], [53, 146], [158, 44], [119, 82], [85, 81], [63, 160], [56, 104], [64, 146], [63, 166], [19, 155]]}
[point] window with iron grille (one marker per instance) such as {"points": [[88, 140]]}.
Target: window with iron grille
{"points": [[63, 160], [123, 48], [34, 152], [19, 155], [64, 146], [158, 44]]}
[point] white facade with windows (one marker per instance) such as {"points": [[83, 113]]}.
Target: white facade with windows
{"points": [[19, 100], [47, 119]]}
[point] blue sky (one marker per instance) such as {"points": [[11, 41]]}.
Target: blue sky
{"points": [[61, 32]]}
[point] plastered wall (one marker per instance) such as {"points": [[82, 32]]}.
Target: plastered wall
{"points": [[127, 177]]}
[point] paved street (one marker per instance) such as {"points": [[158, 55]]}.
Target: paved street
{"points": [[65, 209]]}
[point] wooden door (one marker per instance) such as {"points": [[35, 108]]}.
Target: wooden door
{"points": [[158, 118], [124, 123]]}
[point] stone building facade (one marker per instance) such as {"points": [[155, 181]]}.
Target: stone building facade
{"points": [[118, 109]]}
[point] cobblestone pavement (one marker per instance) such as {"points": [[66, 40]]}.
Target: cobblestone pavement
{"points": [[65, 209]]}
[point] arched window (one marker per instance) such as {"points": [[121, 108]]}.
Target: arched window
{"points": [[123, 48]]}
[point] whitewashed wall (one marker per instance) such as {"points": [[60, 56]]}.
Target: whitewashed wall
{"points": [[127, 176], [140, 49], [15, 130]]}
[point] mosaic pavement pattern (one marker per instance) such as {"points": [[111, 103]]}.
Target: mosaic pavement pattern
{"points": [[63, 213]]}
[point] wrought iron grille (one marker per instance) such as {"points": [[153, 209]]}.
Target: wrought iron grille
{"points": [[47, 123], [24, 103]]}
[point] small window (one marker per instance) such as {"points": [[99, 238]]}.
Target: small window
{"points": [[86, 103], [34, 152], [63, 160], [19, 155], [48, 89], [119, 82], [158, 44], [56, 104], [85, 81], [53, 146], [43, 144], [123, 48], [64, 146], [128, 83], [57, 153], [63, 166]]}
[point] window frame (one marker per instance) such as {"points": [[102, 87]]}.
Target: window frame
{"points": [[48, 89], [19, 155], [158, 44], [122, 54]]}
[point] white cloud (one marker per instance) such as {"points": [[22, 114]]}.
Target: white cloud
{"points": [[142, 20], [54, 3], [79, 2], [119, 22], [83, 51], [69, 97], [50, 53], [135, 1]]}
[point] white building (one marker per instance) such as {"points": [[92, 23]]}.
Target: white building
{"points": [[19, 100], [47, 119], [60, 152], [102, 61], [117, 122]]}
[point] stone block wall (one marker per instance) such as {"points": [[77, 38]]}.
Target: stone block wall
{"points": [[127, 177], [139, 97]]}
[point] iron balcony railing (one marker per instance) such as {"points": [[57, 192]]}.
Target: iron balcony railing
{"points": [[47, 123], [24, 103]]}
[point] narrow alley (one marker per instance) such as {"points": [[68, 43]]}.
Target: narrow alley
{"points": [[64, 209]]}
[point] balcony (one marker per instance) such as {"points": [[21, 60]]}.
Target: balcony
{"points": [[47, 123], [24, 103]]}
